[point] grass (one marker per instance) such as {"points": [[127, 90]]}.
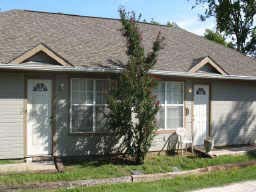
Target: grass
{"points": [[178, 184], [96, 169], [2, 162]]}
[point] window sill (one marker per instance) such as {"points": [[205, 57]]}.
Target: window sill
{"points": [[161, 131], [165, 131], [88, 134]]}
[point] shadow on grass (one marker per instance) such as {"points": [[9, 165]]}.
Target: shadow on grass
{"points": [[252, 154], [154, 160], [99, 161]]}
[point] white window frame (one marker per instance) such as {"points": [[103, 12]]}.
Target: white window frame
{"points": [[165, 105], [94, 105]]}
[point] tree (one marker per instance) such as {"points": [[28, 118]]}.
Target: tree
{"points": [[217, 37], [152, 21], [132, 106], [235, 18], [170, 24]]}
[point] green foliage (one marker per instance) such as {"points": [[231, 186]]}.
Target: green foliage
{"points": [[217, 37], [236, 18], [7, 161], [168, 24], [154, 22], [133, 99]]}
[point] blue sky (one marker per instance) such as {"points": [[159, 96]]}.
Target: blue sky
{"points": [[178, 11]]}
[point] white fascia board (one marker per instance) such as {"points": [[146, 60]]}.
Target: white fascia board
{"points": [[53, 68]]}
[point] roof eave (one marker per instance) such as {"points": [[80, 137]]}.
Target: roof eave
{"points": [[202, 75], [85, 69]]}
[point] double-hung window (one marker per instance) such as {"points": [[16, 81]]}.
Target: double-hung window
{"points": [[88, 105], [170, 96]]}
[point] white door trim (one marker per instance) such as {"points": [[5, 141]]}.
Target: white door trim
{"points": [[42, 143], [201, 110]]}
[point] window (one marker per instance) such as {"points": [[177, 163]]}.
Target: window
{"points": [[200, 91], [170, 96], [88, 105], [40, 87]]}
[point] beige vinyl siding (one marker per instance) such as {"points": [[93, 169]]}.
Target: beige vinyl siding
{"points": [[11, 115], [233, 114]]}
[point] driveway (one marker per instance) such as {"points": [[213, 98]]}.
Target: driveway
{"points": [[248, 186]]}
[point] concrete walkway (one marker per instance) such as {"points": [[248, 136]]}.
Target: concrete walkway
{"points": [[248, 186], [233, 150], [27, 167]]}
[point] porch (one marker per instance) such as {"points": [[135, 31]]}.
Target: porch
{"points": [[227, 150]]}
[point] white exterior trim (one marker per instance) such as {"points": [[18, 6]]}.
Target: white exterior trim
{"points": [[51, 68], [93, 105], [166, 105], [205, 61], [39, 48]]}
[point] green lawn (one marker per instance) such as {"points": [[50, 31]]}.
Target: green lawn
{"points": [[178, 184], [95, 169], [10, 161]]}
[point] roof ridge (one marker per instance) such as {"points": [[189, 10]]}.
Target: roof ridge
{"points": [[87, 16], [66, 14], [158, 25]]}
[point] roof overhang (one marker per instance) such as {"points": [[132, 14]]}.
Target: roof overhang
{"points": [[85, 69], [202, 75]]}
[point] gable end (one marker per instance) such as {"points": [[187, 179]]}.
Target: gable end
{"points": [[40, 50], [208, 65]]}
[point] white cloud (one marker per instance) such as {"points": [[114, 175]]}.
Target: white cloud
{"points": [[196, 26]]}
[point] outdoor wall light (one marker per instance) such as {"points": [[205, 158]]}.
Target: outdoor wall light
{"points": [[61, 86], [190, 90]]}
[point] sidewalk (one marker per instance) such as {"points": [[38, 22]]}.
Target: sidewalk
{"points": [[27, 167], [248, 186]]}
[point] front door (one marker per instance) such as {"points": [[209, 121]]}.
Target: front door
{"points": [[201, 110], [39, 97]]}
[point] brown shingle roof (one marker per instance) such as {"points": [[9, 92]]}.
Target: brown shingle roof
{"points": [[91, 41]]}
